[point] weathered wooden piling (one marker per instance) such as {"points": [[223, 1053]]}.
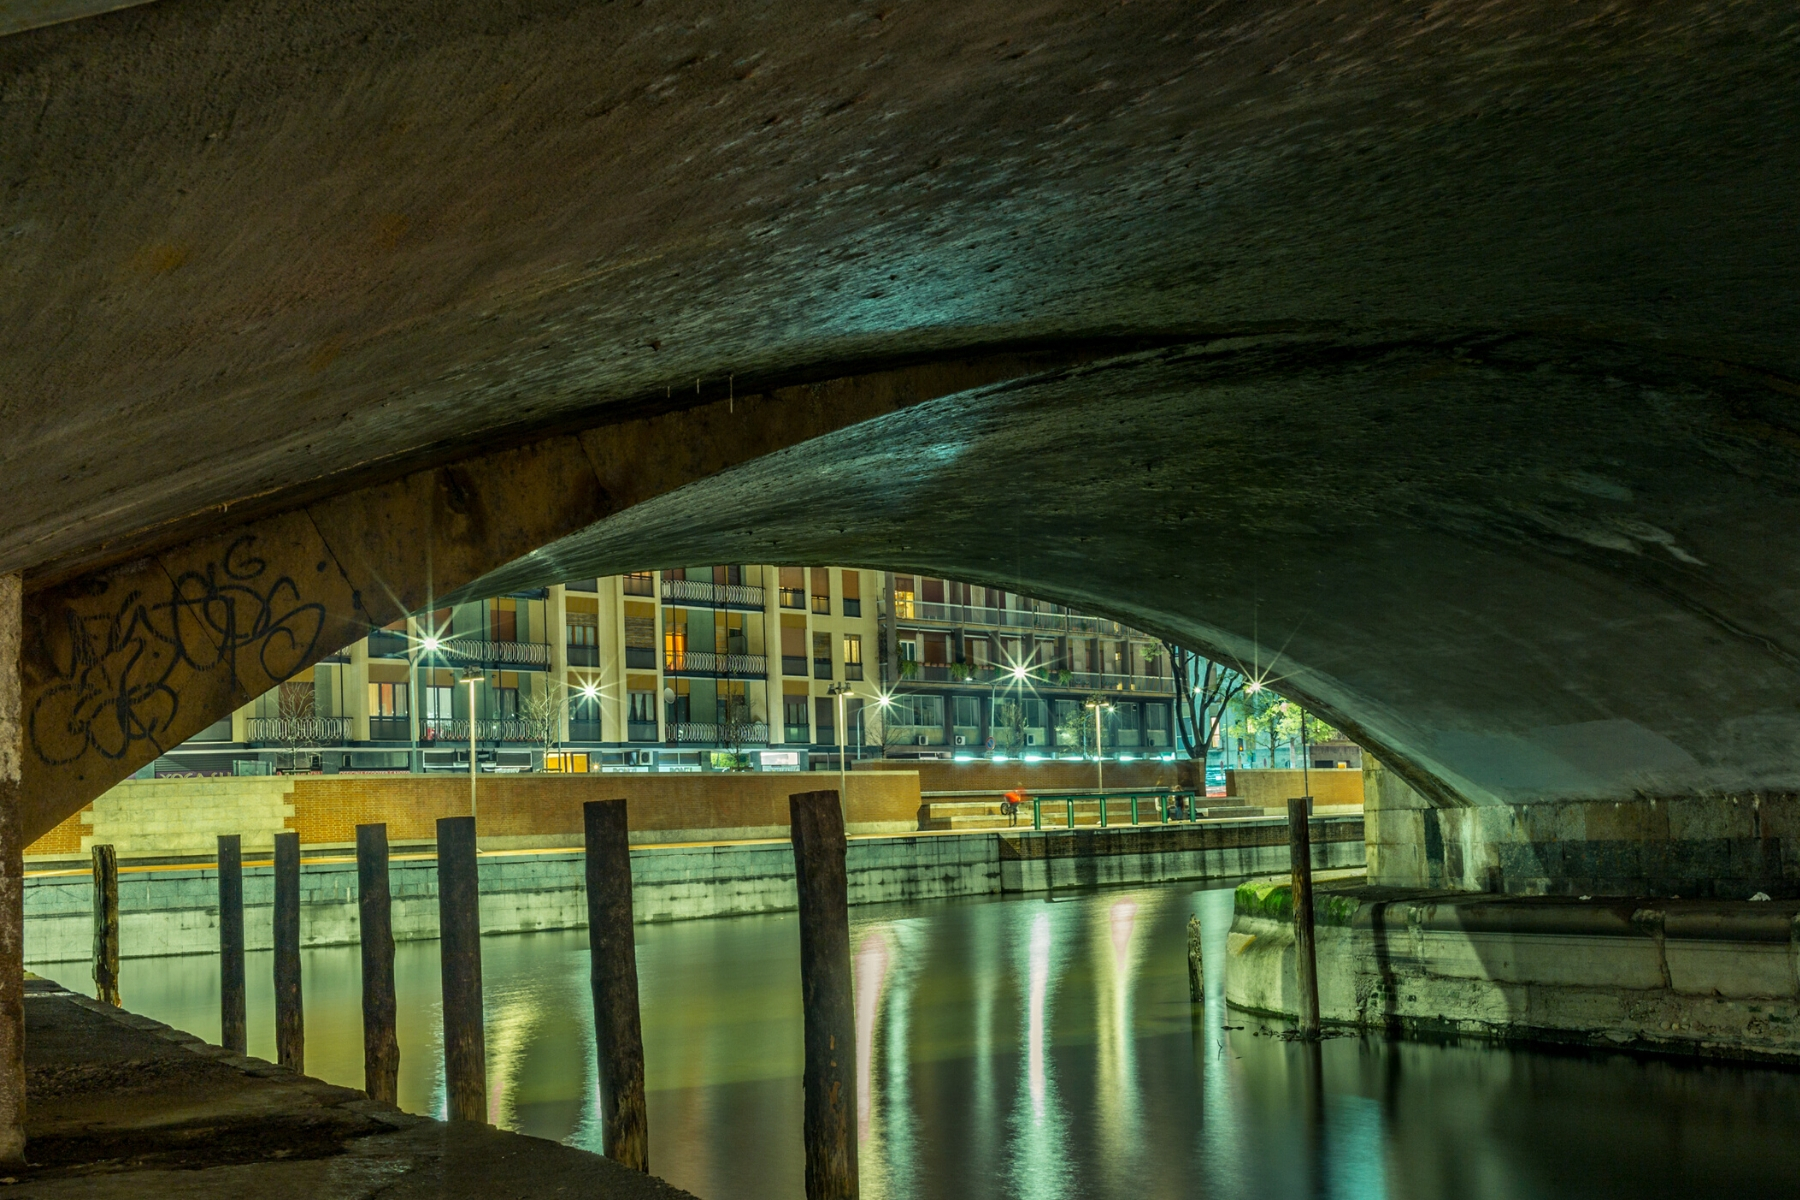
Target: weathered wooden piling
{"points": [[106, 925], [826, 997], [459, 949], [233, 1010], [374, 903], [290, 1026], [1196, 966], [1306, 963], [612, 949]]}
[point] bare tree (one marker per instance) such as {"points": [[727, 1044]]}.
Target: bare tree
{"points": [[540, 710], [736, 728], [1203, 689], [294, 712]]}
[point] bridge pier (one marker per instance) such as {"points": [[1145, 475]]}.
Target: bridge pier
{"points": [[12, 882]]}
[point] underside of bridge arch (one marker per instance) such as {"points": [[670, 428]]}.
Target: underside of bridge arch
{"points": [[1441, 364]]}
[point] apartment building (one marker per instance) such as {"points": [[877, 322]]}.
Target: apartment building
{"points": [[666, 669], [989, 671]]}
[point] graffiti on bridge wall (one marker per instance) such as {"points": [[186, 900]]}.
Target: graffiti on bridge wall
{"points": [[119, 683]]}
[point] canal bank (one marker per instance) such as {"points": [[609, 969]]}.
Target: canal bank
{"points": [[124, 1106], [173, 908], [1696, 978]]}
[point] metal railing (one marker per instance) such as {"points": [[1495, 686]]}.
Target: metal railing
{"points": [[584, 656], [1014, 618], [749, 733], [793, 597], [640, 658], [821, 668], [640, 585], [640, 731], [698, 591], [386, 643], [500, 729], [298, 731], [793, 664], [705, 662], [390, 729]]}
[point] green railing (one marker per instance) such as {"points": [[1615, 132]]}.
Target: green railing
{"points": [[1162, 798]]}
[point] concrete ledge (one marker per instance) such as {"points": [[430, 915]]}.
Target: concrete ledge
{"points": [[1694, 978], [1035, 861]]}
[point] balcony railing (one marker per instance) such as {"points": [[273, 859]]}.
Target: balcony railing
{"points": [[640, 585], [796, 733], [716, 595], [584, 731], [501, 729], [821, 668], [1011, 618], [705, 662], [748, 733], [640, 731], [853, 670], [584, 656], [390, 729], [822, 605], [299, 731], [793, 597], [385, 643], [640, 658], [852, 606], [793, 664]]}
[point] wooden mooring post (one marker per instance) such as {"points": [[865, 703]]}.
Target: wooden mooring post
{"points": [[290, 1024], [612, 949], [827, 1000], [374, 903], [1306, 963], [233, 1011], [106, 925], [459, 949], [1196, 964]]}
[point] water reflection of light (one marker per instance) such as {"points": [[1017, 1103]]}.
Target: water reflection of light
{"points": [[1039, 1150], [1118, 1111], [871, 974], [1036, 1002]]}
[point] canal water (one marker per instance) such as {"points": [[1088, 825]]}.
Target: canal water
{"points": [[1044, 1050]]}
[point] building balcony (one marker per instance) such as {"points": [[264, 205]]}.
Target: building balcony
{"points": [[793, 664], [712, 595], [932, 613], [821, 668], [584, 731], [297, 731], [390, 729], [499, 729], [640, 658], [702, 733], [463, 651], [640, 731], [705, 662], [796, 733], [584, 656]]}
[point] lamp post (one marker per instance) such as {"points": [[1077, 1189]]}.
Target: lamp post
{"points": [[838, 691], [472, 676], [1099, 748]]}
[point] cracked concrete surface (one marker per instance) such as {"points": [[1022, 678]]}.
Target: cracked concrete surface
{"points": [[123, 1106]]}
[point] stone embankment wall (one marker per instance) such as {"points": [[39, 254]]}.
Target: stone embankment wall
{"points": [[184, 817], [996, 778], [1728, 847], [1706, 978], [174, 910], [1265, 787]]}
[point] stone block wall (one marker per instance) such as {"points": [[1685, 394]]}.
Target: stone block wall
{"points": [[184, 817], [1268, 787], [1699, 847]]}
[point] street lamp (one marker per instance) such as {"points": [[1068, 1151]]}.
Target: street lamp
{"points": [[471, 676], [838, 691], [1099, 706]]}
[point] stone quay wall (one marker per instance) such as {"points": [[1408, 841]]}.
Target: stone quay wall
{"points": [[174, 909]]}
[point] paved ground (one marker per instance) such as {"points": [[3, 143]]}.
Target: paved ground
{"points": [[123, 1106]]}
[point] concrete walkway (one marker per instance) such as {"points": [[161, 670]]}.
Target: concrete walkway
{"points": [[120, 1106]]}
